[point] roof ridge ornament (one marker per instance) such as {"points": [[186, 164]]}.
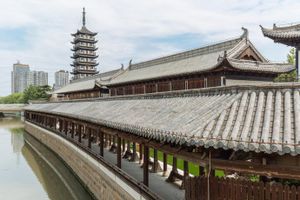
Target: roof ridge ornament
{"points": [[245, 33], [83, 17], [130, 64]]}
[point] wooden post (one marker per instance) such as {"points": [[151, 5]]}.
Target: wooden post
{"points": [[123, 145], [66, 127], [133, 157], [73, 130], [155, 163], [165, 167], [119, 158], [79, 133], [185, 173], [101, 143], [141, 153], [146, 166], [201, 171], [174, 171], [88, 130], [105, 140]]}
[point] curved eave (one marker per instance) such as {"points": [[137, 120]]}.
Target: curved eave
{"points": [[75, 41], [254, 66], [84, 72], [84, 56], [85, 63], [84, 48], [287, 37]]}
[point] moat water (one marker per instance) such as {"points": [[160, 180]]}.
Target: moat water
{"points": [[28, 170]]}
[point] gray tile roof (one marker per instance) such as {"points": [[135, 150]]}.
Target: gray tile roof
{"points": [[287, 32], [90, 82], [249, 118], [199, 60], [247, 65]]}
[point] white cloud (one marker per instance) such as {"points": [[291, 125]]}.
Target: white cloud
{"points": [[123, 24]]}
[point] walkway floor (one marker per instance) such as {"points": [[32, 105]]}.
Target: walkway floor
{"points": [[157, 182]]}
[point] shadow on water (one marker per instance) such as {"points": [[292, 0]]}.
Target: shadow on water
{"points": [[58, 182], [56, 178]]}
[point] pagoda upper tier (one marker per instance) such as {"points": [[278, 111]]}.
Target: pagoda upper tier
{"points": [[288, 35], [84, 47]]}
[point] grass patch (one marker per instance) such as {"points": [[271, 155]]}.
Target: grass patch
{"points": [[193, 168]]}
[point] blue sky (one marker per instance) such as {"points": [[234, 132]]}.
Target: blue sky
{"points": [[37, 32]]}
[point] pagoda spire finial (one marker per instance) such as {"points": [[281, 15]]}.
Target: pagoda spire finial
{"points": [[83, 17]]}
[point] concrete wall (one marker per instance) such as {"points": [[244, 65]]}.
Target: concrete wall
{"points": [[97, 178]]}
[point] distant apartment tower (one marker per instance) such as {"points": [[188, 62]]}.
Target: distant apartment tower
{"points": [[22, 77], [61, 79], [38, 78], [19, 77]]}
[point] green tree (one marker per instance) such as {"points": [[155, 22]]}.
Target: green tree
{"points": [[13, 98], [290, 76], [36, 93]]}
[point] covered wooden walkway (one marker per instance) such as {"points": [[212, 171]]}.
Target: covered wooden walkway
{"points": [[247, 130]]}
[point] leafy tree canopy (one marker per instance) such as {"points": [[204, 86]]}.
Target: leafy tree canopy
{"points": [[31, 93], [291, 76], [36, 93], [13, 98]]}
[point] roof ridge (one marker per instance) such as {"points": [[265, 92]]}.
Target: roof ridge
{"points": [[259, 62], [100, 75], [218, 46], [196, 92]]}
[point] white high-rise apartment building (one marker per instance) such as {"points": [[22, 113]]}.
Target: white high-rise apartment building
{"points": [[22, 77], [19, 77], [61, 79]]}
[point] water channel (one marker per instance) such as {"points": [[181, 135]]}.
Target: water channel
{"points": [[28, 170]]}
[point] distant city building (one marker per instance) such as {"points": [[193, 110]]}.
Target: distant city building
{"points": [[84, 63], [19, 77], [38, 78], [61, 79], [22, 77]]}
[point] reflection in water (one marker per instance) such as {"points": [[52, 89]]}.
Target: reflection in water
{"points": [[28, 170]]}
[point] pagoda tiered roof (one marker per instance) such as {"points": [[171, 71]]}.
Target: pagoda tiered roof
{"points": [[289, 35], [84, 30]]}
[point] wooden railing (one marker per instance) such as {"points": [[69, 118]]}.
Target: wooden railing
{"points": [[230, 189]]}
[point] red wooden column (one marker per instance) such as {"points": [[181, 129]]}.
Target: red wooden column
{"points": [[165, 165], [119, 151], [146, 166], [101, 135]]}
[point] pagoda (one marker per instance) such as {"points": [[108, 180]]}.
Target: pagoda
{"points": [[84, 48], [288, 35]]}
